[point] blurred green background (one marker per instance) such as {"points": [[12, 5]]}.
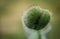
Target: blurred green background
{"points": [[12, 10]]}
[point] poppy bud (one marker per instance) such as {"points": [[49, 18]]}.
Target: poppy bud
{"points": [[36, 18]]}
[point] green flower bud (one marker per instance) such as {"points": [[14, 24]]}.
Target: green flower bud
{"points": [[36, 18]]}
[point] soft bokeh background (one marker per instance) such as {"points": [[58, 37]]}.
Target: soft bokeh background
{"points": [[12, 10]]}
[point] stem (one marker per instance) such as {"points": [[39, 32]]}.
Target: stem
{"points": [[44, 36], [39, 35]]}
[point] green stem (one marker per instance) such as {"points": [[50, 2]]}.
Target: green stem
{"points": [[39, 35], [35, 35]]}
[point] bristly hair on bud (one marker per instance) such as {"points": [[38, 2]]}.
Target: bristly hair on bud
{"points": [[36, 18]]}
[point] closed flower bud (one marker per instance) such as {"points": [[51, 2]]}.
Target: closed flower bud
{"points": [[36, 18]]}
